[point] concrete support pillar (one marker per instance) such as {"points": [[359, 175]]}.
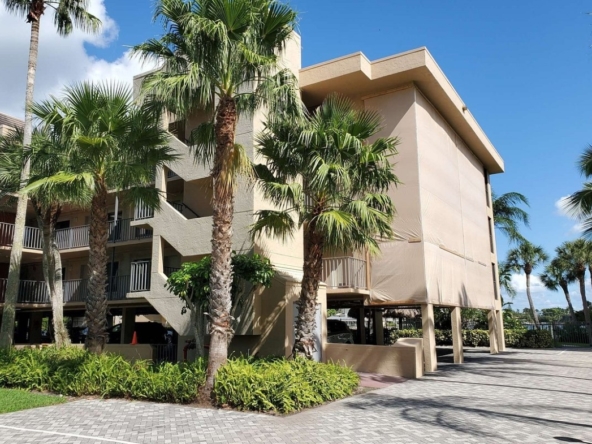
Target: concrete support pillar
{"points": [[157, 254], [501, 339], [379, 327], [493, 332], [429, 338], [457, 336], [362, 325], [35, 327], [128, 325]]}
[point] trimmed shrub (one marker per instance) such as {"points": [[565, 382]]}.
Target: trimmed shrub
{"points": [[276, 385], [281, 385], [480, 338], [75, 372]]}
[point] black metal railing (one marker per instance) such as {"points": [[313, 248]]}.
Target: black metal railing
{"points": [[182, 207], [170, 270], [76, 290]]}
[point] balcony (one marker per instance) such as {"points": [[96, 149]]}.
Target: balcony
{"points": [[35, 292], [345, 273], [75, 237]]}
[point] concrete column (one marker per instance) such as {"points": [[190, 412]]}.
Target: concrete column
{"points": [[128, 325], [457, 337], [379, 327], [35, 327], [493, 332], [501, 339], [429, 338], [157, 254]]}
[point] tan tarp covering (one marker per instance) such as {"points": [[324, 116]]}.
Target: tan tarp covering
{"points": [[442, 252]]}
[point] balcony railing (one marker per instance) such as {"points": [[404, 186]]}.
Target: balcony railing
{"points": [[182, 208], [35, 292], [170, 270], [143, 212], [33, 238], [75, 237], [344, 272], [140, 276]]}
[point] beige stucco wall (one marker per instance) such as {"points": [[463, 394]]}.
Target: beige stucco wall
{"points": [[401, 359]]}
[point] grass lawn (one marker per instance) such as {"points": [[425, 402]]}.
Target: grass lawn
{"points": [[13, 400]]}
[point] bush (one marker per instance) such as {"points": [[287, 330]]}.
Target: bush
{"points": [[480, 338], [75, 372], [281, 385], [263, 385]]}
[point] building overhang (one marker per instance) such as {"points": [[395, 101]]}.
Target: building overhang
{"points": [[357, 77]]}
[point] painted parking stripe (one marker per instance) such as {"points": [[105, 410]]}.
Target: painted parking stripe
{"points": [[73, 435]]}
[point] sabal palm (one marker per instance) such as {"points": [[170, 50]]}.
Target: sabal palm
{"points": [[222, 56], [323, 174], [45, 155], [114, 145], [559, 275], [505, 279], [576, 256], [527, 257], [580, 202], [507, 215], [68, 14]]}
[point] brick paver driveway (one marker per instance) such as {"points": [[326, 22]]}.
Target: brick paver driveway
{"points": [[527, 397]]}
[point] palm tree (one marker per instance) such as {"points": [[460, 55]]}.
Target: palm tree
{"points": [[505, 279], [46, 158], [68, 14], [322, 174], [114, 145], [558, 275], [222, 56], [507, 214], [576, 256], [580, 202], [527, 257]]}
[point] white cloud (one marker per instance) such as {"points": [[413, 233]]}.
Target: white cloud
{"points": [[62, 61], [519, 283], [563, 210]]}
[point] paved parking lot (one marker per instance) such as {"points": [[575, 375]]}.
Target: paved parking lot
{"points": [[527, 397]]}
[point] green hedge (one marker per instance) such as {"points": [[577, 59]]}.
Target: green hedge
{"points": [[280, 385], [75, 372], [480, 338], [263, 385]]}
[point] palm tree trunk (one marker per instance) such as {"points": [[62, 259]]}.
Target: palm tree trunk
{"points": [[582, 282], [96, 302], [304, 337], [535, 317], [565, 289], [16, 252], [223, 206], [52, 271]]}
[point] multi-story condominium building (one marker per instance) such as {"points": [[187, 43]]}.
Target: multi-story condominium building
{"points": [[443, 253]]}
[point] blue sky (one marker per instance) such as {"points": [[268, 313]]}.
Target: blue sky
{"points": [[522, 67]]}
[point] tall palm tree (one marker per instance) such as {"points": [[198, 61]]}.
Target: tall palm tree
{"points": [[114, 145], [323, 174], [46, 158], [559, 275], [580, 202], [576, 256], [222, 56], [68, 14], [507, 214], [527, 257]]}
